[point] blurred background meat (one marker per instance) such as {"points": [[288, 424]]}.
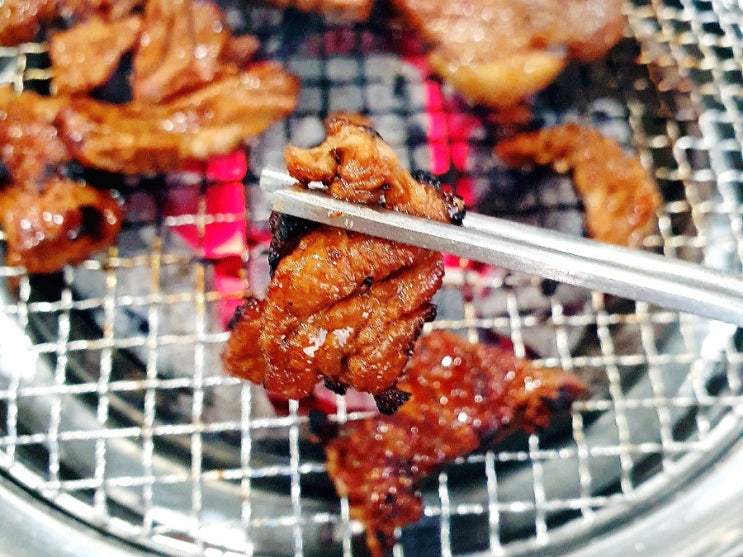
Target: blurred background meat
{"points": [[48, 220], [62, 222], [21, 20], [87, 55], [180, 48], [182, 51], [110, 10], [141, 138], [498, 52], [30, 147]]}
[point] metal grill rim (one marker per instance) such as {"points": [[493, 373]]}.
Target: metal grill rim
{"points": [[714, 105]]}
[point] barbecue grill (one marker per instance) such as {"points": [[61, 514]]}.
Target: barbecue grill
{"points": [[120, 435]]}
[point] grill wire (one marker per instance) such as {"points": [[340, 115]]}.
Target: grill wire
{"points": [[114, 409]]}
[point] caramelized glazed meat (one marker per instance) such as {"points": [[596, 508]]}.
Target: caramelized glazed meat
{"points": [[349, 10], [21, 20], [62, 222], [357, 334], [497, 52], [357, 165], [48, 221], [140, 138], [242, 356], [213, 105], [86, 55], [180, 49], [238, 51], [620, 199], [30, 147], [463, 396], [343, 307]]}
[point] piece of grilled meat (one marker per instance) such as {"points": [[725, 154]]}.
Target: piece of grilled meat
{"points": [[621, 200], [86, 55], [48, 220], [463, 397], [30, 147], [498, 52], [142, 138], [59, 223], [23, 20], [343, 307], [185, 44], [184, 51]]}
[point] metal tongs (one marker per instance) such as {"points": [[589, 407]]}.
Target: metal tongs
{"points": [[625, 272]]}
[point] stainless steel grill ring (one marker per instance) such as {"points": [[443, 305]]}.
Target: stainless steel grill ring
{"points": [[120, 435]]}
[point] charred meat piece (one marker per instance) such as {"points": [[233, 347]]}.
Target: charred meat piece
{"points": [[86, 55], [358, 166], [48, 221], [185, 44], [61, 223], [357, 333], [22, 20], [347, 10], [344, 307], [139, 138], [497, 52], [463, 397], [620, 198], [286, 232]]}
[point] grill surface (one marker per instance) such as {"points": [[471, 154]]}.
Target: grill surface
{"points": [[114, 409]]}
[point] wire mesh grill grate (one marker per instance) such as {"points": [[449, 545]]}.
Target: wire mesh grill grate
{"points": [[113, 406]]}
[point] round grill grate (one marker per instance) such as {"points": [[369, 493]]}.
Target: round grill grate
{"points": [[113, 406]]}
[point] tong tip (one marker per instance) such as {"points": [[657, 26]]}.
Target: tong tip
{"points": [[273, 179]]}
